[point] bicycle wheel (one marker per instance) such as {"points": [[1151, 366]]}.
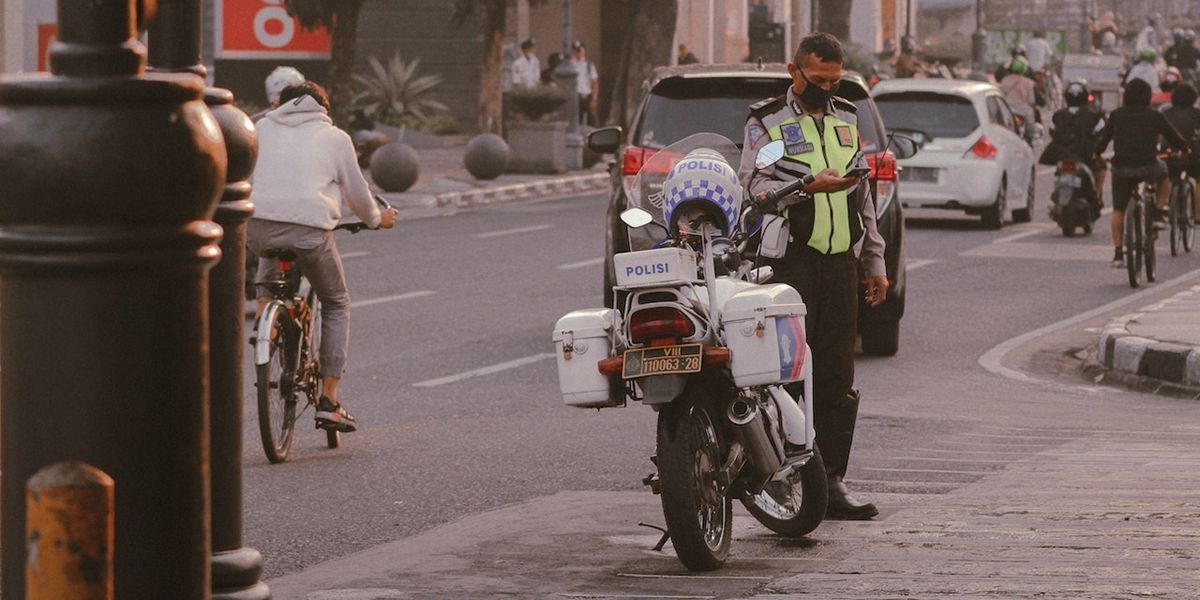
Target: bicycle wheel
{"points": [[276, 383], [333, 438], [1187, 215], [1173, 218], [1149, 237], [1133, 242]]}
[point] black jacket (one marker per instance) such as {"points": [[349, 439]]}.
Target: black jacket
{"points": [[1134, 131], [1074, 135]]}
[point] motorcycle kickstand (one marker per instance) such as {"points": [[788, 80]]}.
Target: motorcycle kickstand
{"points": [[666, 535]]}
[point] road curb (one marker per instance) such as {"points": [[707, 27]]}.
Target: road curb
{"points": [[1123, 352], [497, 194]]}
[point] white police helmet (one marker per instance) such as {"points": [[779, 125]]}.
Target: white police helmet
{"points": [[702, 181], [280, 78]]}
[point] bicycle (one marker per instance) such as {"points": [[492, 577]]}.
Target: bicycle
{"points": [[1140, 235], [1181, 213], [287, 343]]}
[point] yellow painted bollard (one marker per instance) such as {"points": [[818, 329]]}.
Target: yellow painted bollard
{"points": [[69, 533]]}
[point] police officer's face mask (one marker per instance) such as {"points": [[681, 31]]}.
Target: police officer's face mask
{"points": [[813, 94]]}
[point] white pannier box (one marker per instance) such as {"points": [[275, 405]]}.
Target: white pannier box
{"points": [[582, 339], [764, 328], [663, 266]]}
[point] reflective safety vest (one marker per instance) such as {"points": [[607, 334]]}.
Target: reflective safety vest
{"points": [[831, 223]]}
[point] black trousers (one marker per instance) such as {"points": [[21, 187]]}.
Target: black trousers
{"points": [[829, 285]]}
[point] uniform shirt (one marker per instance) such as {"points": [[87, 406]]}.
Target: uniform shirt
{"points": [[587, 74], [526, 71], [759, 181]]}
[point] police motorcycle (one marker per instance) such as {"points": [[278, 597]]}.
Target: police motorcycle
{"points": [[702, 340]]}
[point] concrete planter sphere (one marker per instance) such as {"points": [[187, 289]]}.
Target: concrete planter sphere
{"points": [[394, 167], [486, 156]]}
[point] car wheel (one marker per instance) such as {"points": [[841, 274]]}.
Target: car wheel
{"points": [[1025, 215], [881, 339], [993, 216]]}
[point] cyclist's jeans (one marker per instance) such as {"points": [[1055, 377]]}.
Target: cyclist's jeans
{"points": [[1125, 180], [319, 261]]}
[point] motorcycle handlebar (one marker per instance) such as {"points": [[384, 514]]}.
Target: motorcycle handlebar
{"points": [[773, 197]]}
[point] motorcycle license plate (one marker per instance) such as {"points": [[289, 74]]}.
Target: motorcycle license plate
{"points": [[663, 360], [1068, 180]]}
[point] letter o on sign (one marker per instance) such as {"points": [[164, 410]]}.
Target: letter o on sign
{"points": [[279, 15]]}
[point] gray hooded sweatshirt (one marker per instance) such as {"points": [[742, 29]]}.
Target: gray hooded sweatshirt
{"points": [[307, 168]]}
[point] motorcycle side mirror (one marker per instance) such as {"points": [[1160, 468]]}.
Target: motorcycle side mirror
{"points": [[637, 218], [769, 154], [902, 145]]}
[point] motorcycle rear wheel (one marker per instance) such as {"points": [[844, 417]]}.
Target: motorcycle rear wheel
{"points": [[795, 506], [697, 508]]}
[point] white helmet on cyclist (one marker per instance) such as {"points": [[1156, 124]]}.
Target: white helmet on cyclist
{"points": [[279, 79], [702, 181]]}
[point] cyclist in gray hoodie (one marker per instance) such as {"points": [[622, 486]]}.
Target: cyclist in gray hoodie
{"points": [[306, 169]]}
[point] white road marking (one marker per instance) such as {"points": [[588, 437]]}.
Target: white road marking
{"points": [[358, 254], [647, 596], [917, 263], [1018, 236], [581, 264], [1036, 251], [503, 232], [396, 298], [504, 366], [993, 360], [1045, 170]]}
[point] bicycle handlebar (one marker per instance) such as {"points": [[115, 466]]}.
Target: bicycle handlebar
{"points": [[358, 226]]}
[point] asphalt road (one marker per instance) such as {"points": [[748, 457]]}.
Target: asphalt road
{"points": [[453, 384]]}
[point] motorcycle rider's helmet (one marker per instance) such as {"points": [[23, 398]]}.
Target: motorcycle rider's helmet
{"points": [[1018, 50], [1177, 36], [1171, 77], [702, 184], [281, 78], [907, 45], [1018, 66], [1189, 36], [1147, 55], [1077, 93]]}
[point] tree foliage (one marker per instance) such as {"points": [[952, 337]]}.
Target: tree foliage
{"points": [[341, 18]]}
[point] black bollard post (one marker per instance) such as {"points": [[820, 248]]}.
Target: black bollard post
{"points": [[175, 47], [110, 179]]}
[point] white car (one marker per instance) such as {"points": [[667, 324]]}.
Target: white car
{"points": [[974, 157]]}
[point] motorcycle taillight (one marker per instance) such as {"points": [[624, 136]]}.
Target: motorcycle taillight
{"points": [[659, 322], [1069, 167], [633, 159]]}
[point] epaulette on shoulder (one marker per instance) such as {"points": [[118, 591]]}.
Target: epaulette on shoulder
{"points": [[844, 104], [768, 106]]}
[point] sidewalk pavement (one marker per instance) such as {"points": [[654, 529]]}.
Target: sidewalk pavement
{"points": [[444, 183], [1159, 343]]}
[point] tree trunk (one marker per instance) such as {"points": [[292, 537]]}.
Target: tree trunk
{"points": [[644, 32], [833, 18], [490, 94], [341, 59]]}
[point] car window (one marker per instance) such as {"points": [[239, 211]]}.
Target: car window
{"points": [[937, 115], [1007, 113], [995, 115], [872, 140], [678, 108]]}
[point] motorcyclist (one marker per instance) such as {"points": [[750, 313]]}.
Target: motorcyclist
{"points": [[1162, 99], [1144, 68], [1020, 92], [1074, 131], [1188, 58]]}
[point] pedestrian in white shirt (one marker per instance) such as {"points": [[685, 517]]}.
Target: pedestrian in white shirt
{"points": [[588, 84], [527, 69], [1038, 51]]}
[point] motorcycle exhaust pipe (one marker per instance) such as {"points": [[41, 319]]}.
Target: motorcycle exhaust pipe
{"points": [[751, 431]]}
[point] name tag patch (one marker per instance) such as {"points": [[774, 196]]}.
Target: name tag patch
{"points": [[845, 136], [793, 139]]}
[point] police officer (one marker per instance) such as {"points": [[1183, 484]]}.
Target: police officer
{"points": [[820, 133]]}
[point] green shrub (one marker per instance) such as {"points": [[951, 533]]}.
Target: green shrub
{"points": [[395, 93]]}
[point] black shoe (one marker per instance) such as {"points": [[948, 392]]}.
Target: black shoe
{"points": [[1118, 260], [1158, 218], [334, 416], [843, 506]]}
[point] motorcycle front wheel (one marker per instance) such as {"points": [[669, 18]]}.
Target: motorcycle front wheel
{"points": [[795, 506], [696, 506]]}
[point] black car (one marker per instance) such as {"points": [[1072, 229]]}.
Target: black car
{"points": [[685, 100]]}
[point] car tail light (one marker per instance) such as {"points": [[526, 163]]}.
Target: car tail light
{"points": [[661, 322], [1069, 167], [984, 148], [883, 166], [633, 159]]}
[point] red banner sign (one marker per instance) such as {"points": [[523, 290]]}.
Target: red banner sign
{"points": [[259, 29]]}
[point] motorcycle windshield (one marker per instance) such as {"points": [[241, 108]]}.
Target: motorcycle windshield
{"points": [[647, 188]]}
